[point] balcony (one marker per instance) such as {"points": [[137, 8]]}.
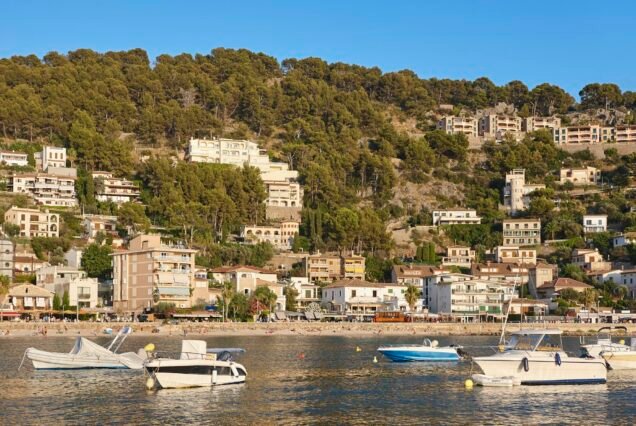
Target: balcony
{"points": [[178, 259]]}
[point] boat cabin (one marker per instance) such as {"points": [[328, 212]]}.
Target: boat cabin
{"points": [[536, 340]]}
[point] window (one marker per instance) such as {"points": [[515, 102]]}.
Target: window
{"points": [[353, 293], [375, 293]]}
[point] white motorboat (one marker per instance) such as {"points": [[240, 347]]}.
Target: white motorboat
{"points": [[196, 366], [604, 343], [427, 351], [536, 357], [87, 354]]}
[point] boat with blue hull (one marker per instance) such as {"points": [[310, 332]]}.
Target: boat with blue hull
{"points": [[427, 351]]}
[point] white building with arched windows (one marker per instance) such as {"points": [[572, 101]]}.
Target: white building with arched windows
{"points": [[281, 235]]}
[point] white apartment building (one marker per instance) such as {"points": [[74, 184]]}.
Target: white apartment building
{"points": [[594, 223], [498, 126], [283, 193], [308, 293], [358, 297], [466, 297], [589, 134], [231, 151], [515, 254], [117, 190], [516, 191], [590, 260], [459, 256], [12, 158], [458, 125], [625, 134], [150, 272], [455, 217], [580, 175], [51, 156], [521, 232], [82, 291], [532, 124], [280, 236], [33, 222], [46, 189]]}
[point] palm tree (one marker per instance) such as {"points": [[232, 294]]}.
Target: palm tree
{"points": [[225, 297], [412, 294], [590, 297]]}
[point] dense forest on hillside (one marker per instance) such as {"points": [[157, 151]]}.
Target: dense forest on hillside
{"points": [[339, 125]]}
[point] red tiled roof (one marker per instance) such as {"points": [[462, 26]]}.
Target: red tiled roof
{"points": [[562, 283]]}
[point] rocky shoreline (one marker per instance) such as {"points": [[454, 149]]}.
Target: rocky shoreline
{"points": [[9, 329]]}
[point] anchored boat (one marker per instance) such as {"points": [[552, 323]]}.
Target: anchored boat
{"points": [[427, 351], [536, 357], [87, 354], [196, 366]]}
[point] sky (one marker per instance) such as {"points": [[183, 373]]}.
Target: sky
{"points": [[568, 43]]}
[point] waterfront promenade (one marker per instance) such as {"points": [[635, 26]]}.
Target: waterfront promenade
{"points": [[88, 329]]}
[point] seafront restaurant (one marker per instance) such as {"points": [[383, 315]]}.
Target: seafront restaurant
{"points": [[28, 299]]}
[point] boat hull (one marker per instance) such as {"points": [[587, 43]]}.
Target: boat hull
{"points": [[412, 353], [544, 369], [620, 360], [43, 360], [174, 374]]}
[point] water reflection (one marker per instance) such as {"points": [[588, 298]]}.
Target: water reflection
{"points": [[330, 383]]}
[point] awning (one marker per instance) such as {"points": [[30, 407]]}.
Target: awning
{"points": [[172, 291], [9, 314]]}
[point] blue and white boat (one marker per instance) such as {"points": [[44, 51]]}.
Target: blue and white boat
{"points": [[427, 351]]}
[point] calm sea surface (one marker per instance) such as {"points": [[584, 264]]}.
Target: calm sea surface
{"points": [[333, 384]]}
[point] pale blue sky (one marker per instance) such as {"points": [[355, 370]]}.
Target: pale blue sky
{"points": [[569, 43]]}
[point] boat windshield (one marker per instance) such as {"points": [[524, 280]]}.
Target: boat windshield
{"points": [[535, 342]]}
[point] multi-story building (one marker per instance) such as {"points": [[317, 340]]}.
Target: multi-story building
{"points": [[498, 126], [455, 217], [411, 274], [513, 273], [515, 254], [539, 275], [231, 151], [150, 272], [280, 236], [516, 191], [31, 299], [521, 232], [554, 287], [363, 298], [458, 125], [33, 222], [286, 193], [580, 175], [326, 268], [459, 256], [466, 297], [246, 279], [308, 293], [532, 124], [117, 190], [82, 291], [593, 223], [46, 188], [589, 134], [94, 224], [625, 134], [12, 158], [7, 263], [590, 260], [50, 156]]}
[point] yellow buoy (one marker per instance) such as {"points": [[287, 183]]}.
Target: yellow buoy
{"points": [[501, 348], [150, 347], [622, 341], [150, 383], [358, 349], [468, 384], [375, 359]]}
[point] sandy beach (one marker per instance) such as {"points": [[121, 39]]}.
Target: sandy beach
{"points": [[88, 329]]}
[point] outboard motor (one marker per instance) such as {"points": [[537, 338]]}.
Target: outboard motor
{"points": [[224, 356]]}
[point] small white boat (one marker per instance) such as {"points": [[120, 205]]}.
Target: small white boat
{"points": [[196, 367], [536, 357], [604, 343], [87, 354], [427, 351]]}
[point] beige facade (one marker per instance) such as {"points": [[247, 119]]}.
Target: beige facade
{"points": [[150, 272], [515, 254], [95, 223], [7, 263], [458, 125], [459, 256], [498, 126], [625, 134], [280, 236], [45, 188], [589, 134], [516, 191], [246, 279], [539, 275], [590, 260], [411, 274], [117, 190], [33, 222], [455, 216], [521, 232], [580, 175], [283, 193], [30, 298], [532, 124], [27, 263], [82, 291], [326, 268]]}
